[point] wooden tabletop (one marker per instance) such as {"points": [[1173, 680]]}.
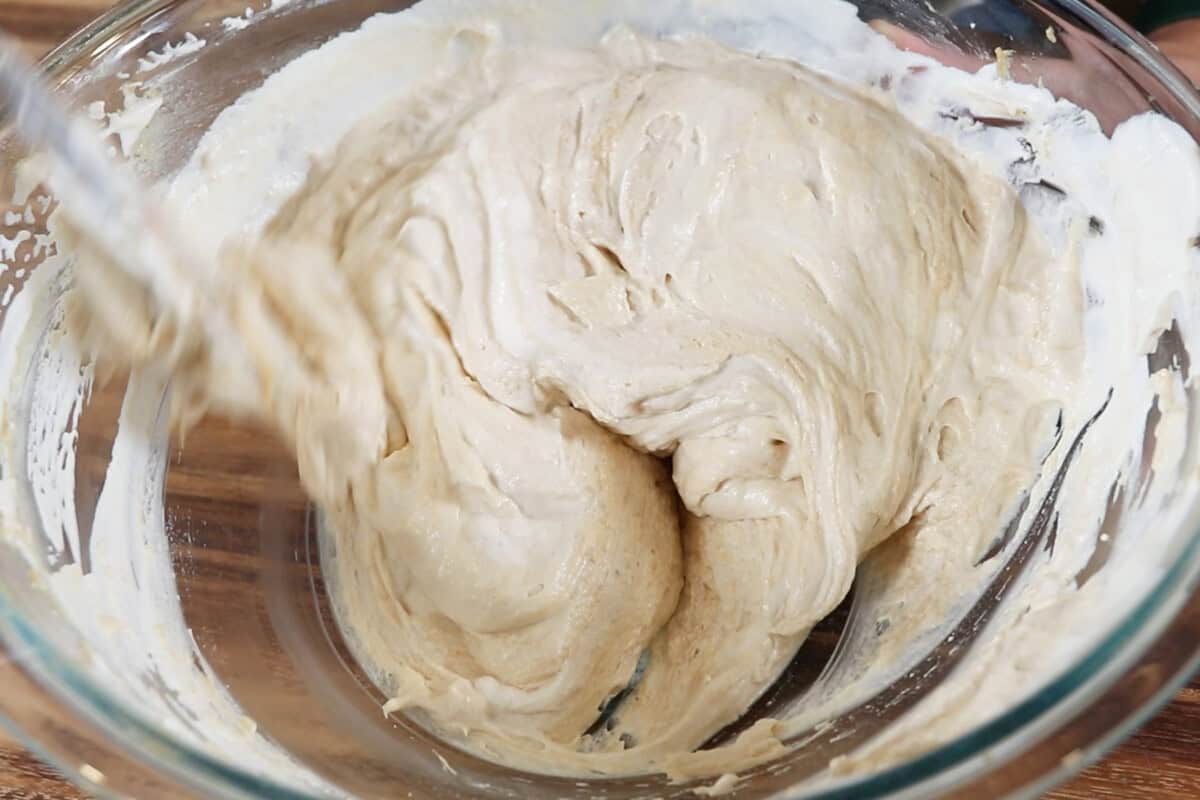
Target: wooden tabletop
{"points": [[1161, 762]]}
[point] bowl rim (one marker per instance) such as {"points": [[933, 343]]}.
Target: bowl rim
{"points": [[936, 769]]}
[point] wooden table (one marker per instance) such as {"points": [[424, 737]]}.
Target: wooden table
{"points": [[1162, 761]]}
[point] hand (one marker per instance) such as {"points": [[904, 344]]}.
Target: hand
{"points": [[1180, 42]]}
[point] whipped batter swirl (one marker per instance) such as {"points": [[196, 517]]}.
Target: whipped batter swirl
{"points": [[615, 362]]}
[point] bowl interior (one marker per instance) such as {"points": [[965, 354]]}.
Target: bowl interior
{"points": [[173, 590]]}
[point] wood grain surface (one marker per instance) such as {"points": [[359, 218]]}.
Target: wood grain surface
{"points": [[1160, 762]]}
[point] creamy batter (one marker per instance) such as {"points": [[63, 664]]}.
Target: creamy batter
{"points": [[608, 365]]}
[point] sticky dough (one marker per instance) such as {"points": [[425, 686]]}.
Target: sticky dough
{"points": [[624, 357]]}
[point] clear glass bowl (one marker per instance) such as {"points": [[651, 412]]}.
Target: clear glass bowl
{"points": [[256, 695]]}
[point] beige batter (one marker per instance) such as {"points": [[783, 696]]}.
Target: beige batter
{"points": [[594, 356]]}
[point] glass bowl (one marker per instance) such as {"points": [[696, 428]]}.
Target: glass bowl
{"points": [[175, 638]]}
